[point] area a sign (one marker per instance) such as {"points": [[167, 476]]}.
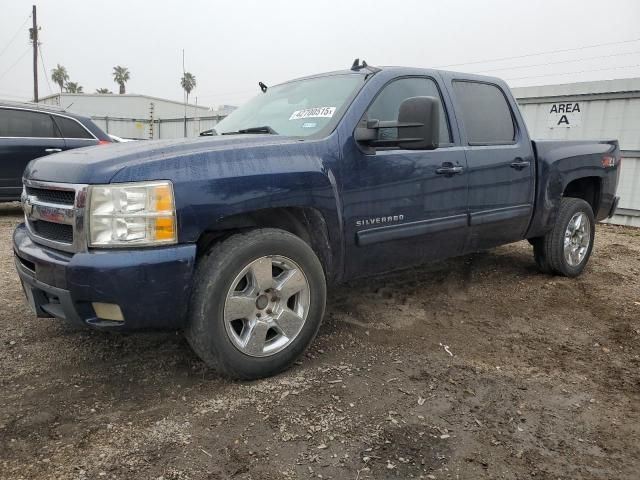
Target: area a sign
{"points": [[564, 115]]}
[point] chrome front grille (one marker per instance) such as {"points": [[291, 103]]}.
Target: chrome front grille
{"points": [[63, 197], [57, 232], [54, 214]]}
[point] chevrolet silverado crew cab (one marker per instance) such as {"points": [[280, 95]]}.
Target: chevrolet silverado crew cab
{"points": [[234, 237]]}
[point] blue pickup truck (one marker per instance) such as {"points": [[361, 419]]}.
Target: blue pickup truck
{"points": [[233, 237]]}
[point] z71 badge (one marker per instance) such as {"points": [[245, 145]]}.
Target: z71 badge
{"points": [[378, 220]]}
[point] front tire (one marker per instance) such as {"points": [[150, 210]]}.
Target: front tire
{"points": [[566, 249], [258, 301]]}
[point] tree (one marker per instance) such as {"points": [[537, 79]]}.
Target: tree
{"points": [[121, 76], [59, 75], [188, 83], [103, 90], [73, 87]]}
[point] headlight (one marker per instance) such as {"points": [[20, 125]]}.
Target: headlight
{"points": [[137, 214]]}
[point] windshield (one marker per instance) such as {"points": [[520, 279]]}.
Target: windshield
{"points": [[298, 108]]}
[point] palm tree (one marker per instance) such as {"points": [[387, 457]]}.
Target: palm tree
{"points": [[103, 90], [188, 83], [121, 76], [59, 75], [73, 87]]}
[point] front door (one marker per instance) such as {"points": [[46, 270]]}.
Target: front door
{"points": [[403, 207]]}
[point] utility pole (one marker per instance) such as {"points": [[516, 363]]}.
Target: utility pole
{"points": [[34, 40]]}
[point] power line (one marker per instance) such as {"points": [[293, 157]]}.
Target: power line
{"points": [[13, 95], [539, 53], [573, 73], [229, 96], [15, 63], [44, 69], [559, 62], [15, 36], [17, 99], [236, 92], [247, 92]]}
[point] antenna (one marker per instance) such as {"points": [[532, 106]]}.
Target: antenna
{"points": [[357, 66]]}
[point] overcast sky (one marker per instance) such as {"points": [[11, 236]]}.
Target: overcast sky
{"points": [[231, 45]]}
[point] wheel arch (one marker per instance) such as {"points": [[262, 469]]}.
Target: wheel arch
{"points": [[554, 187], [588, 189], [307, 223]]}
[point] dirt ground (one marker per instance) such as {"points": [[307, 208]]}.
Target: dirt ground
{"points": [[478, 367]]}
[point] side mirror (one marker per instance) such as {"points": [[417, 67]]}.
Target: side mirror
{"points": [[422, 117], [418, 126]]}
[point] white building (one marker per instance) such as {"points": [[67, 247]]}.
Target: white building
{"points": [[606, 109], [138, 116]]}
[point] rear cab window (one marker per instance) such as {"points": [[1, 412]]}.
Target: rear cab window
{"points": [[485, 111], [26, 124]]}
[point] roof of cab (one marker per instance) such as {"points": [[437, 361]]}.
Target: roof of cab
{"points": [[400, 70]]}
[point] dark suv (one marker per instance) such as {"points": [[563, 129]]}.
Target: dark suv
{"points": [[29, 131]]}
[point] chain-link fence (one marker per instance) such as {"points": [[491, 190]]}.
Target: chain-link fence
{"points": [[146, 129]]}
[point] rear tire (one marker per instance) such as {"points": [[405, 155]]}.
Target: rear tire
{"points": [[539, 256], [258, 301], [565, 250]]}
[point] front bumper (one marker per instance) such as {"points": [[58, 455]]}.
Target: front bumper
{"points": [[152, 286]]}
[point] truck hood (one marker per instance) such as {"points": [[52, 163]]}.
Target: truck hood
{"points": [[101, 163]]}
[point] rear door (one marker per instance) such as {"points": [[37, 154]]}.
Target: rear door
{"points": [[500, 164], [24, 135], [75, 134]]}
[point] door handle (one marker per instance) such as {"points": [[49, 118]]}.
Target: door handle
{"points": [[519, 164], [448, 169], [52, 150]]}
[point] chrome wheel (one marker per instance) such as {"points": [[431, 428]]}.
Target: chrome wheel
{"points": [[577, 238], [266, 306]]}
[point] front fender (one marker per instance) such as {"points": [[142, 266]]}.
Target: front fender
{"points": [[213, 185]]}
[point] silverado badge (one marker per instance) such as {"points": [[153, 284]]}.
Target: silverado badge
{"points": [[379, 220]]}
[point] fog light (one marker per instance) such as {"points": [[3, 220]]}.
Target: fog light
{"points": [[108, 311]]}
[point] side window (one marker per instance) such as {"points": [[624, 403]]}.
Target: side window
{"points": [[71, 128], [387, 104], [485, 112], [24, 123]]}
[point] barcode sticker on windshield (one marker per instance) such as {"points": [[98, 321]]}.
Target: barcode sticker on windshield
{"points": [[319, 112]]}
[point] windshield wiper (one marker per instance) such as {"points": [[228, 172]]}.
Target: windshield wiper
{"points": [[264, 129]]}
